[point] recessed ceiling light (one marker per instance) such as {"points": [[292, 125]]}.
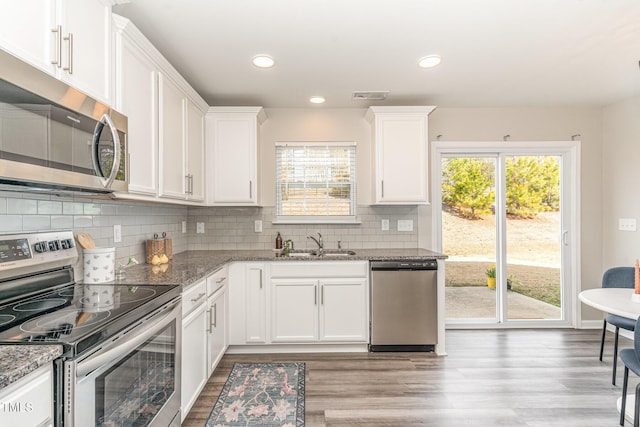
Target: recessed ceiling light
{"points": [[429, 61], [316, 99], [263, 61]]}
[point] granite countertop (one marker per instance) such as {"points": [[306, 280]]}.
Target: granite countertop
{"points": [[188, 267], [16, 361]]}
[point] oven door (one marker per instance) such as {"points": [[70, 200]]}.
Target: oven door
{"points": [[133, 379]]}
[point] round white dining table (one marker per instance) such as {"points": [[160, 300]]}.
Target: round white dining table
{"points": [[612, 300]]}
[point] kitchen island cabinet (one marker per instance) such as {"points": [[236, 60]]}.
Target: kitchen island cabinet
{"points": [[69, 39]]}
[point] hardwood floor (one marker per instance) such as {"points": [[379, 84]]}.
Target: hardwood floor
{"points": [[489, 378]]}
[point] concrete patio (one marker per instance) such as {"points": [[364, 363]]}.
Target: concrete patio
{"points": [[480, 302]]}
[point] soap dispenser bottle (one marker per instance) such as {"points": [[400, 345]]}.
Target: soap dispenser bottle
{"points": [[278, 241]]}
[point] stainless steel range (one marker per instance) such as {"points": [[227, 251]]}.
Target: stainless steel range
{"points": [[121, 342]]}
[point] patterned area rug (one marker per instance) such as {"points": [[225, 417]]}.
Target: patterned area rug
{"points": [[261, 394]]}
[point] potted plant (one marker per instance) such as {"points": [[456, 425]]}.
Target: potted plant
{"points": [[491, 276]]}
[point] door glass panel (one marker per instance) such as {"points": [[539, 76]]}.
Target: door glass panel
{"points": [[533, 234], [469, 237], [134, 390]]}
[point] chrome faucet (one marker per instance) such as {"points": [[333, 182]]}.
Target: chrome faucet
{"points": [[319, 242]]}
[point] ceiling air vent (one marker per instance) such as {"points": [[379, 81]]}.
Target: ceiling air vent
{"points": [[377, 95]]}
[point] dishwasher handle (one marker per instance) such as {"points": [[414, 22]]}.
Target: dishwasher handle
{"points": [[408, 265]]}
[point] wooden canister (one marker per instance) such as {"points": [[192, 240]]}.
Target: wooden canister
{"points": [[154, 247]]}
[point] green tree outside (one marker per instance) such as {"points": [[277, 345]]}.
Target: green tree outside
{"points": [[532, 185]]}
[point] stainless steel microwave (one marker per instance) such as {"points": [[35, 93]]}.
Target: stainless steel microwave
{"points": [[53, 136]]}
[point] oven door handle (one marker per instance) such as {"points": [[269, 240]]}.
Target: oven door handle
{"points": [[123, 348]]}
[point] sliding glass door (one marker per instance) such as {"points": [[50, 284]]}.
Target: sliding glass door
{"points": [[504, 215]]}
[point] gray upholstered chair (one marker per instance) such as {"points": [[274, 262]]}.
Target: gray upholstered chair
{"points": [[631, 359], [617, 277]]}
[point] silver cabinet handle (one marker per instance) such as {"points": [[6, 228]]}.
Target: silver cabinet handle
{"points": [[58, 53], [69, 67], [200, 295], [209, 328], [322, 294], [215, 315], [250, 189], [382, 188], [315, 295], [186, 184], [220, 280], [191, 184], [260, 278]]}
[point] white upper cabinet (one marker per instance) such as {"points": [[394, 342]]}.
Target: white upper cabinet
{"points": [[173, 176], [166, 121], [233, 155], [70, 39], [195, 151], [400, 154], [136, 87]]}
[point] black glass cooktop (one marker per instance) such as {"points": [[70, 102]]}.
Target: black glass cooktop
{"points": [[78, 316]]}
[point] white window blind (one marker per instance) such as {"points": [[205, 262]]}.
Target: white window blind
{"points": [[316, 180]]}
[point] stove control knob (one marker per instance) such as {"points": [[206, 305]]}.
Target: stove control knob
{"points": [[54, 245], [41, 247], [66, 244]]}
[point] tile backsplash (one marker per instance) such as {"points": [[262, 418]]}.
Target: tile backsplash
{"points": [[27, 212], [233, 228], [224, 227]]}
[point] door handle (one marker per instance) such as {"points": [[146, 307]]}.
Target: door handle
{"points": [[209, 328], [58, 42], [250, 189], [115, 167], [565, 235], [69, 67], [215, 315]]}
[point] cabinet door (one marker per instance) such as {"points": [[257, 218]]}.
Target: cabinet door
{"points": [[401, 159], [194, 357], [137, 97], [234, 152], [195, 151], [295, 310], [343, 310], [217, 338], [172, 174], [26, 31], [256, 305], [29, 401], [86, 46]]}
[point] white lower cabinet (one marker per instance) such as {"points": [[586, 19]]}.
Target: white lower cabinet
{"points": [[247, 303], [29, 401], [194, 345], [294, 311], [217, 318], [204, 334], [319, 310]]}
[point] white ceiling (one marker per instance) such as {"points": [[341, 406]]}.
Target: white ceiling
{"points": [[495, 53]]}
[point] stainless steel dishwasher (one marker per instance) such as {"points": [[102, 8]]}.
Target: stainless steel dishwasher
{"points": [[404, 314]]}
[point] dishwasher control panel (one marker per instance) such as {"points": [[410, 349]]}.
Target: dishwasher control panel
{"points": [[422, 264]]}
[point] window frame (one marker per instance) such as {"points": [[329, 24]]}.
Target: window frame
{"points": [[318, 219]]}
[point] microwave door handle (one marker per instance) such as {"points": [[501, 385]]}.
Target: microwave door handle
{"points": [[106, 121]]}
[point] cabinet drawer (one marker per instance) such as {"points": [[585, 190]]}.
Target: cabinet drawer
{"points": [[217, 280], [194, 296], [318, 269]]}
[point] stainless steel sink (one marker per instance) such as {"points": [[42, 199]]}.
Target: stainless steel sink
{"points": [[338, 254], [325, 254], [301, 254]]}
